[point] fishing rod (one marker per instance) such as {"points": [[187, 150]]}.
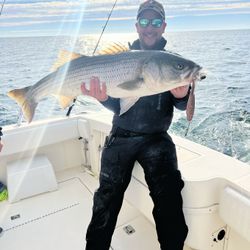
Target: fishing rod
{"points": [[104, 27], [2, 7], [97, 44]]}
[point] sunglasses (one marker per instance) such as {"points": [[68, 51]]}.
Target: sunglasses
{"points": [[156, 23]]}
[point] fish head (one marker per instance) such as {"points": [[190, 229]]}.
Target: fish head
{"points": [[167, 70]]}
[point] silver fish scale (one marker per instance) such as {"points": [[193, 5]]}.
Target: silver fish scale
{"points": [[109, 69], [113, 70], [67, 79]]}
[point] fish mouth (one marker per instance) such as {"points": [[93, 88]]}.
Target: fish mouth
{"points": [[196, 74], [199, 74]]}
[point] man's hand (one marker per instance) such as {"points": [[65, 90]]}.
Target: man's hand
{"points": [[96, 90], [180, 92]]}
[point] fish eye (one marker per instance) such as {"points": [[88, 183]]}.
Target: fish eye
{"points": [[179, 66]]}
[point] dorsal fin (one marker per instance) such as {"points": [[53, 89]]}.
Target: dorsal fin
{"points": [[64, 56], [113, 48]]}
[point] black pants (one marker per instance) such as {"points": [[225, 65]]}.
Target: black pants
{"points": [[157, 155]]}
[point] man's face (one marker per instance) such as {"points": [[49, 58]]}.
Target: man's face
{"points": [[150, 36]]}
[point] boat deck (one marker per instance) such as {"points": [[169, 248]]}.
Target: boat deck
{"points": [[215, 197], [59, 219]]}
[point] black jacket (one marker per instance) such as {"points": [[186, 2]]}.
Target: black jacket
{"points": [[150, 114]]}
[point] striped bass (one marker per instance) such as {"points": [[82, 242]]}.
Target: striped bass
{"points": [[128, 75]]}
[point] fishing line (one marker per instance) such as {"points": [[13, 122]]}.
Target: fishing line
{"points": [[2, 7]]}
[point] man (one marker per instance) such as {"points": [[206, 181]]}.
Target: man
{"points": [[140, 135]]}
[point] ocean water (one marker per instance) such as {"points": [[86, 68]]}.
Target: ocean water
{"points": [[222, 114]]}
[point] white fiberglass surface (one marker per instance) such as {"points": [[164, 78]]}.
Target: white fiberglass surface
{"points": [[59, 220]]}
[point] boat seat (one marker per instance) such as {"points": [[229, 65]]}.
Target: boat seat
{"points": [[30, 176]]}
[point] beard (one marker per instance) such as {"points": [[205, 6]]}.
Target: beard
{"points": [[146, 46]]}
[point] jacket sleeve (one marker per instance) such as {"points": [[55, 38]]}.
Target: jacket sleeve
{"points": [[112, 104], [181, 103]]}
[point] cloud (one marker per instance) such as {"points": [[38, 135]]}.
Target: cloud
{"points": [[18, 13], [28, 23], [97, 8]]}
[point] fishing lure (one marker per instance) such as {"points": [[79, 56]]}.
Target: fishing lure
{"points": [[190, 106]]}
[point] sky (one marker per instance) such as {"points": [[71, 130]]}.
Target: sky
{"points": [[80, 17]]}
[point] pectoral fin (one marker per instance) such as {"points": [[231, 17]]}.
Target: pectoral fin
{"points": [[131, 85], [127, 103]]}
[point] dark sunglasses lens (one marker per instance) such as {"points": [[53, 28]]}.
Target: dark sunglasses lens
{"points": [[144, 22], [157, 23]]}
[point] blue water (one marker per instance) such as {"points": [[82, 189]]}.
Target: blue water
{"points": [[222, 115]]}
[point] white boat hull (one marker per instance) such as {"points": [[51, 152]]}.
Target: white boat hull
{"points": [[216, 193]]}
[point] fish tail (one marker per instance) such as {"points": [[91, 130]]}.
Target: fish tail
{"points": [[27, 104]]}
